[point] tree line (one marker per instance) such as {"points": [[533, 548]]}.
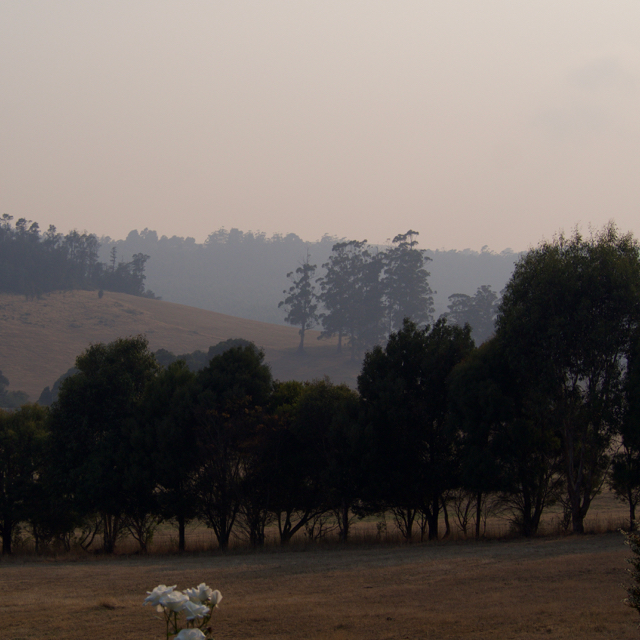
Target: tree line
{"points": [[33, 263], [544, 412], [243, 273], [365, 293]]}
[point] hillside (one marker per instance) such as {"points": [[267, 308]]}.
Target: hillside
{"points": [[41, 338]]}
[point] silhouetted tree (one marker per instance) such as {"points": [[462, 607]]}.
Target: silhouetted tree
{"points": [[507, 444], [23, 436], [479, 311], [232, 392], [568, 317], [406, 282], [300, 302], [95, 431], [405, 407]]}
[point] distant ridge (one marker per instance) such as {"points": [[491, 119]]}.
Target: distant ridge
{"points": [[40, 339]]}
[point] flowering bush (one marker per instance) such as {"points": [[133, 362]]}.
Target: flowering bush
{"points": [[196, 604]]}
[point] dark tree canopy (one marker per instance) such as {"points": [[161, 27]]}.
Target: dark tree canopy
{"points": [[506, 444], [95, 431], [567, 319], [405, 405], [23, 436]]}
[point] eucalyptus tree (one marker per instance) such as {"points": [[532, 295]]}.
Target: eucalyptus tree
{"points": [[567, 319], [352, 294], [479, 311], [300, 302], [406, 282]]}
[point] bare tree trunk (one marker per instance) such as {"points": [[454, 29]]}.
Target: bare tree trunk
{"points": [[478, 513], [181, 533]]}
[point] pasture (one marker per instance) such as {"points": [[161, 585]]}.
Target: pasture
{"points": [[554, 587]]}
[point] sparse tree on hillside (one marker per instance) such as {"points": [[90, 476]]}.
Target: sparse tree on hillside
{"points": [[406, 282], [300, 302]]}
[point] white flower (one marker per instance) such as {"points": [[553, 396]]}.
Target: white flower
{"points": [[190, 634], [201, 593], [215, 598], [195, 610], [174, 601], [154, 596]]}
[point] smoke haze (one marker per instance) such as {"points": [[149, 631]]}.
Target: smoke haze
{"points": [[494, 123]]}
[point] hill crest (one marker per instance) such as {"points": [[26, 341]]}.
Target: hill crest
{"points": [[41, 338]]}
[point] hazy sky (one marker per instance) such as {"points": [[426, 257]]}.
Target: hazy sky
{"points": [[474, 122]]}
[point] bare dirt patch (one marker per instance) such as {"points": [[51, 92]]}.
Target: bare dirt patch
{"points": [[544, 588]]}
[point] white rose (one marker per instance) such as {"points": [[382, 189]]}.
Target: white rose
{"points": [[215, 598], [174, 601], [194, 610], [190, 634], [154, 596], [201, 593]]}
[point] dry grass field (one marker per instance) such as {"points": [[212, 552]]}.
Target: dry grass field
{"points": [[41, 338], [563, 588]]}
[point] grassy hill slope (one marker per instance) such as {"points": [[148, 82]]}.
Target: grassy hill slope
{"points": [[40, 339]]}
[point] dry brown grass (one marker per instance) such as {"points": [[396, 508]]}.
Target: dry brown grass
{"points": [[41, 338], [562, 588]]}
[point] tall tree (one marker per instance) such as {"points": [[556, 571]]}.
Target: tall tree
{"points": [[624, 477], [300, 302], [337, 288], [352, 294], [327, 428], [23, 435], [232, 394], [405, 405], [479, 311], [507, 446], [95, 432], [406, 282], [567, 318]]}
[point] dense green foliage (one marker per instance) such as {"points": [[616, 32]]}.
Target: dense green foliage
{"points": [[404, 395]]}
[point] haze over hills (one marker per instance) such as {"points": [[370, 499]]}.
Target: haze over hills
{"points": [[227, 287], [244, 273], [42, 337]]}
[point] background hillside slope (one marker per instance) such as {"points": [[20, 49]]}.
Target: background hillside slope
{"points": [[41, 338]]}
